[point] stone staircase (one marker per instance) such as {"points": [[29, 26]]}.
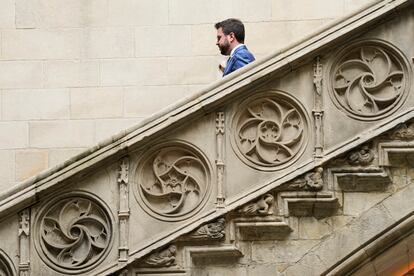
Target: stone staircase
{"points": [[318, 193]]}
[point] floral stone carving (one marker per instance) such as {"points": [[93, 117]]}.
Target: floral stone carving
{"points": [[173, 181], [369, 79], [73, 233], [270, 130]]}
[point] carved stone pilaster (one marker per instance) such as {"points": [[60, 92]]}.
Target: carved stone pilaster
{"points": [[24, 242], [220, 158], [123, 213], [318, 108]]}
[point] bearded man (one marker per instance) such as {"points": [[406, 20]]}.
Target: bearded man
{"points": [[230, 40]]}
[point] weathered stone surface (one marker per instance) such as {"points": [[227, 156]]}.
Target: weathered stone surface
{"points": [[203, 40], [395, 256], [29, 72], [360, 230], [41, 44], [291, 31], [17, 135], [310, 264], [281, 251], [162, 41], [108, 43], [183, 70], [57, 156], [7, 14], [398, 205], [88, 103], [220, 271], [162, 97], [127, 72], [138, 13], [7, 169], [357, 203], [263, 269], [338, 222], [71, 73], [367, 269], [105, 128], [312, 228], [353, 5], [77, 134], [25, 104], [30, 162], [297, 10]]}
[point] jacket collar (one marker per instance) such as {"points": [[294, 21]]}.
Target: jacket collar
{"points": [[236, 48]]}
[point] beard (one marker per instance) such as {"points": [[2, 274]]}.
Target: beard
{"points": [[224, 48]]}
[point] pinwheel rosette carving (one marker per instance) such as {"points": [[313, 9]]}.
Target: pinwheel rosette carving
{"points": [[270, 130], [74, 234], [173, 181], [369, 80]]}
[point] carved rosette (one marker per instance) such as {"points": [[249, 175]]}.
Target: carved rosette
{"points": [[270, 130], [173, 181], [369, 79], [73, 233]]}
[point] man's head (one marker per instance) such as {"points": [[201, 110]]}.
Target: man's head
{"points": [[230, 33]]}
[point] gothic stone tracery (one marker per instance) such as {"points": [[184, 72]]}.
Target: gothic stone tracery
{"points": [[369, 79], [73, 233], [270, 130], [174, 180]]}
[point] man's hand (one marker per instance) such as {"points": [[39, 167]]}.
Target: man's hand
{"points": [[222, 66]]}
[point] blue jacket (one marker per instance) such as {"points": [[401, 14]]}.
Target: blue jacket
{"points": [[240, 58]]}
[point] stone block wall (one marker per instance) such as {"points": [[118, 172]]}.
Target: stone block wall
{"points": [[75, 72]]}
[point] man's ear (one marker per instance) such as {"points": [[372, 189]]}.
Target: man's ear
{"points": [[232, 36]]}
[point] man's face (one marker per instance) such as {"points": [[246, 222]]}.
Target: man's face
{"points": [[223, 42]]}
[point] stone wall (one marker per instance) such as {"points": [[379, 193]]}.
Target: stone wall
{"points": [[75, 72]]}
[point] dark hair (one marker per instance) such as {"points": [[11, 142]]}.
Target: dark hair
{"points": [[232, 25]]}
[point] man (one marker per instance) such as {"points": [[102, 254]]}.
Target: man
{"points": [[230, 39]]}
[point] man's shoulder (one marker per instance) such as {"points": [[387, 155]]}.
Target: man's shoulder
{"points": [[243, 52]]}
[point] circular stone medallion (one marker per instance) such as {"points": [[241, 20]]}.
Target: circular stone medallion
{"points": [[73, 233], [368, 80], [270, 130], [173, 180]]}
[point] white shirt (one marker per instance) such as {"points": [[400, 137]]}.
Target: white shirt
{"points": [[234, 49]]}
